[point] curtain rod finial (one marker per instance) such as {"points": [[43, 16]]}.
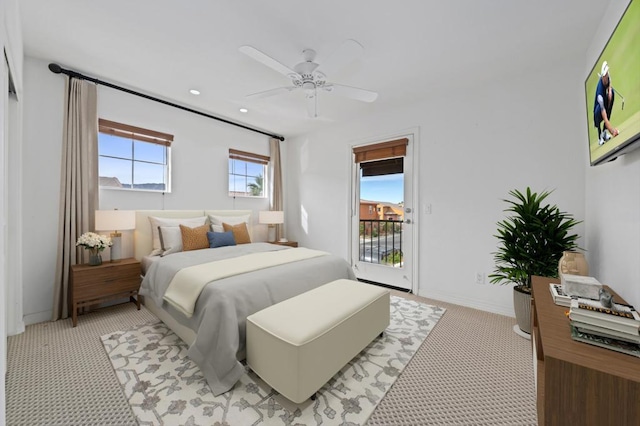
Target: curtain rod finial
{"points": [[55, 68]]}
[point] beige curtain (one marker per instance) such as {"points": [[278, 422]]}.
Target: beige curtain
{"points": [[275, 182], [78, 183]]}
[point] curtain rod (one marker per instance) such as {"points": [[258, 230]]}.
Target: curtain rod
{"points": [[57, 69]]}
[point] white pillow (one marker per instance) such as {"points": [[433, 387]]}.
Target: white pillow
{"points": [[217, 228], [171, 239], [230, 220], [156, 222]]}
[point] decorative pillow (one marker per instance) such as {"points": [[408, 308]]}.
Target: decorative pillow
{"points": [[240, 232], [231, 220], [170, 239], [166, 221], [216, 228], [194, 238], [221, 239]]}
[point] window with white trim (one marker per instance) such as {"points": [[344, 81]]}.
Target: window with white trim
{"points": [[133, 158], [247, 174]]}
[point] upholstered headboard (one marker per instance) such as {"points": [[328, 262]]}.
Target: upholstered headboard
{"points": [[143, 237]]}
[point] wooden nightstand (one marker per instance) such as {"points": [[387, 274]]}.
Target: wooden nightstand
{"points": [[286, 243], [90, 285]]}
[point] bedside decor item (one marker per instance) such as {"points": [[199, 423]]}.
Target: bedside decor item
{"points": [[95, 244], [271, 218], [531, 242], [579, 286], [573, 263], [115, 220]]}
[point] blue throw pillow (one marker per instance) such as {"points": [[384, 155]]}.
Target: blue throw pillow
{"points": [[221, 239]]}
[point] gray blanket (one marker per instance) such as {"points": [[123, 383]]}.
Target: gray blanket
{"points": [[220, 316]]}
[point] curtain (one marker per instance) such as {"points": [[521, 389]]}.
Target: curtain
{"points": [[78, 183], [275, 182]]}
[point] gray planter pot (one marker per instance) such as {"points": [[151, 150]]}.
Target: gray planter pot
{"points": [[522, 306]]}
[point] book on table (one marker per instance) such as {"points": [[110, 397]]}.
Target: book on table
{"points": [[605, 342], [606, 332], [623, 318], [559, 296]]}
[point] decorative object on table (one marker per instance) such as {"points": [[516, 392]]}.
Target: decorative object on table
{"points": [[531, 242], [95, 244], [271, 218], [580, 286], [606, 299], [574, 263], [115, 220]]}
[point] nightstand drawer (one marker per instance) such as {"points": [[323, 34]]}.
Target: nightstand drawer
{"points": [[92, 285], [106, 288], [87, 277]]}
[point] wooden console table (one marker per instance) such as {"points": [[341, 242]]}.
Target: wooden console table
{"points": [[578, 383]]}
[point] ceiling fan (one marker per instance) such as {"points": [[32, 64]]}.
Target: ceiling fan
{"points": [[311, 77]]}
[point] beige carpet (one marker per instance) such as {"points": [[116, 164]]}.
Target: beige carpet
{"points": [[471, 370]]}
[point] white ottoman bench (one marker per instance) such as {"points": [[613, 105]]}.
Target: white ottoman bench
{"points": [[297, 345]]}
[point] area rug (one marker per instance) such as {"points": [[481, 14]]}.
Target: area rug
{"points": [[164, 387]]}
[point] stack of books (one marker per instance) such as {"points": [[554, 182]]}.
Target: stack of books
{"points": [[616, 328]]}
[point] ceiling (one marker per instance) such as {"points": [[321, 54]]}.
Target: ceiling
{"points": [[413, 49]]}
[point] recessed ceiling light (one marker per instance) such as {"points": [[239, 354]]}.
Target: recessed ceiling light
{"points": [[194, 92], [244, 110]]}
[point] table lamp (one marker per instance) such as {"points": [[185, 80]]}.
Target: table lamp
{"points": [[271, 218], [115, 220]]}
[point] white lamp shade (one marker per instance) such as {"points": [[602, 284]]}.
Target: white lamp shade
{"points": [[115, 220], [271, 217]]}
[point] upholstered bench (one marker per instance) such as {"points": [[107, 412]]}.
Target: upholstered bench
{"points": [[297, 345]]}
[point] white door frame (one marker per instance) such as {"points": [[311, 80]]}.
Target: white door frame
{"points": [[414, 132]]}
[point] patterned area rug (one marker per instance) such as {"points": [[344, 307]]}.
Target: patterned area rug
{"points": [[164, 387]]}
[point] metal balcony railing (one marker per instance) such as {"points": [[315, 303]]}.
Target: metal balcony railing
{"points": [[381, 242]]}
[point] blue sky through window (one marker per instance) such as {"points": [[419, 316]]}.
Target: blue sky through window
{"points": [[143, 154], [388, 188]]}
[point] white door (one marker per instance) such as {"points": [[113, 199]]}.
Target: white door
{"points": [[383, 229]]}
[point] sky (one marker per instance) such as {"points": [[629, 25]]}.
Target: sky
{"points": [[388, 188]]}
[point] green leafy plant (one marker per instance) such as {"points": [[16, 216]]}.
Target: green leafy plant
{"points": [[531, 239]]}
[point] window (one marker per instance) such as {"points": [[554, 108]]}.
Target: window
{"points": [[247, 173], [133, 158]]}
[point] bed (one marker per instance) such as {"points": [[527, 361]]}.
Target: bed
{"points": [[215, 331]]}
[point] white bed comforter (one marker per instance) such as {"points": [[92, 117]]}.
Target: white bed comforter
{"points": [[219, 315]]}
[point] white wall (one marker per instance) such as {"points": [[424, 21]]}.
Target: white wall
{"points": [[476, 144], [199, 171], [10, 116], [613, 198]]}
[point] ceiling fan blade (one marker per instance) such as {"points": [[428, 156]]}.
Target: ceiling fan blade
{"points": [[312, 105], [270, 92], [351, 92], [347, 52], [254, 53]]}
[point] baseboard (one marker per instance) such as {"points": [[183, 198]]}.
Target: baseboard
{"points": [[19, 329], [37, 317], [467, 302]]}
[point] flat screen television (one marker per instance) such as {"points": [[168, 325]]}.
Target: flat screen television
{"points": [[620, 94]]}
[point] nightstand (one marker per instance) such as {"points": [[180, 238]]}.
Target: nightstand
{"points": [[286, 243], [89, 285]]}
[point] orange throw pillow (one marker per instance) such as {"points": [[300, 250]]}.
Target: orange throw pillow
{"points": [[194, 238], [240, 232]]}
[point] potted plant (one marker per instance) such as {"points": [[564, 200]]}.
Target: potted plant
{"points": [[531, 241]]}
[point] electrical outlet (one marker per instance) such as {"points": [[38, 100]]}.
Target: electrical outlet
{"points": [[479, 278]]}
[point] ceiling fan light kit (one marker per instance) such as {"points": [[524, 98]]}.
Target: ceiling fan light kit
{"points": [[310, 76]]}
